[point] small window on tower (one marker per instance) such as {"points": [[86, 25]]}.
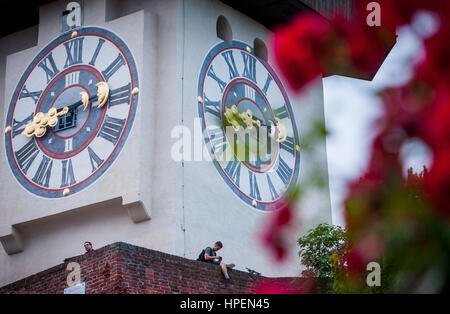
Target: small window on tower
{"points": [[224, 31], [260, 49]]}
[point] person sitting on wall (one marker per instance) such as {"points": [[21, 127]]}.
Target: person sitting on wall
{"points": [[88, 247], [209, 255]]}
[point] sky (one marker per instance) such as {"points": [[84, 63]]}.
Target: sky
{"points": [[351, 108]]}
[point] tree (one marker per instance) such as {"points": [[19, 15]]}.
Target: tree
{"points": [[318, 245]]}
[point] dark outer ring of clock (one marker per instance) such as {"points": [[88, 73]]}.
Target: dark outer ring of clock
{"points": [[238, 45], [23, 80]]}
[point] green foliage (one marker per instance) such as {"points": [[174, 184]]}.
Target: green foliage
{"points": [[341, 284], [318, 246], [344, 282]]}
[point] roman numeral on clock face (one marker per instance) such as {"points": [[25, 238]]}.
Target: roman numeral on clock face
{"points": [[217, 138], [68, 144], [19, 126], [267, 84], [26, 155], [68, 178], [101, 41], [284, 171], [229, 59], [288, 145], [113, 67], [94, 159], [121, 95], [74, 49], [281, 113], [26, 93], [249, 66], [254, 190], [49, 67], [249, 92], [233, 170], [212, 107], [213, 75], [42, 176], [273, 191], [111, 129], [72, 78]]}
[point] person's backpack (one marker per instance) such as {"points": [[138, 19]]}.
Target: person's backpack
{"points": [[201, 256]]}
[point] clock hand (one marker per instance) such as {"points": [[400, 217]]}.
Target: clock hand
{"points": [[272, 127], [38, 127], [281, 137], [83, 101], [237, 119], [102, 93], [102, 97], [246, 118]]}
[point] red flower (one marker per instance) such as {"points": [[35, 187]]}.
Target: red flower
{"points": [[435, 69], [298, 47], [421, 108], [274, 235], [273, 288], [404, 109], [285, 286], [356, 263], [383, 164], [311, 46], [435, 128]]}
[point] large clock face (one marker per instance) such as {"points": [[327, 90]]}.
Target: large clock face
{"points": [[86, 139], [246, 115]]}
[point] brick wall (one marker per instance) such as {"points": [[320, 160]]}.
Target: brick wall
{"points": [[124, 268]]}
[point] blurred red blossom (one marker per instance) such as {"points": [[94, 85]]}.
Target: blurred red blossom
{"points": [[366, 48], [297, 48], [435, 128], [355, 261], [285, 285], [274, 288], [403, 108], [274, 234], [384, 222], [435, 68], [312, 46], [368, 45]]}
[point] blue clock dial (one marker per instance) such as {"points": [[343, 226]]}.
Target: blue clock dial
{"points": [[88, 138], [235, 87]]}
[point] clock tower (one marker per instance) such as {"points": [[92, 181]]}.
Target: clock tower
{"points": [[93, 98]]}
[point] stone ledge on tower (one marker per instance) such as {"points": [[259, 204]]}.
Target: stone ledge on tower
{"points": [[12, 243]]}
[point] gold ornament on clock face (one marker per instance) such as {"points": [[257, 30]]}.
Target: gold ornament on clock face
{"points": [[38, 127], [246, 114], [71, 112]]}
